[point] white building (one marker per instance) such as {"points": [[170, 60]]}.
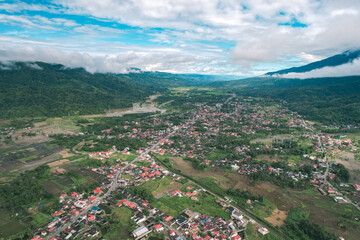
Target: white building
{"points": [[236, 215], [141, 232], [263, 231]]}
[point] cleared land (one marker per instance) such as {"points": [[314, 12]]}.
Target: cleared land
{"points": [[26, 157]]}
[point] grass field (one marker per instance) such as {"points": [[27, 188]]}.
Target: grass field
{"points": [[253, 234], [121, 227], [206, 205], [8, 225], [161, 186]]}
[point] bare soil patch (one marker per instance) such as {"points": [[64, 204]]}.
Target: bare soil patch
{"points": [[348, 160], [65, 153], [57, 163], [57, 170], [277, 218]]}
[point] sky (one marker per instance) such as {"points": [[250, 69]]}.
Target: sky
{"points": [[223, 37]]}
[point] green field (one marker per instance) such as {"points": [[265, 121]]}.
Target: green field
{"points": [[121, 228], [158, 184], [253, 234], [206, 205], [9, 225]]}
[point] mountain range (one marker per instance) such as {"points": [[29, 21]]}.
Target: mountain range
{"points": [[32, 89]]}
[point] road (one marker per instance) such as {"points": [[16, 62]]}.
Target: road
{"points": [[244, 211], [113, 186], [175, 230], [326, 173]]}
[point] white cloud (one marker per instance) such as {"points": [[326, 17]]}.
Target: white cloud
{"points": [[192, 29], [348, 69], [119, 60]]}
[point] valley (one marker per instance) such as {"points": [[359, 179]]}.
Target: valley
{"points": [[267, 163]]}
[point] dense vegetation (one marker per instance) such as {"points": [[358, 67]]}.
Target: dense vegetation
{"points": [[328, 100], [25, 188], [298, 226], [53, 90]]}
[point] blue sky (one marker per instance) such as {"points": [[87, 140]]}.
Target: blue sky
{"points": [[227, 37]]}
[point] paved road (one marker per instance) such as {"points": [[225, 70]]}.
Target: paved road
{"points": [[113, 186], [175, 230], [244, 211]]}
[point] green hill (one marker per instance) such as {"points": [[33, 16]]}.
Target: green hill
{"points": [[328, 100], [41, 89]]}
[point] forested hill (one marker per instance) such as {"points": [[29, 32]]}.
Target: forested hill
{"points": [[328, 100], [30, 89], [41, 89]]}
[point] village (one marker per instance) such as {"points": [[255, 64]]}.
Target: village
{"points": [[240, 136], [188, 225]]}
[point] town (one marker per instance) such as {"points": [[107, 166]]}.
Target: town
{"points": [[146, 161]]}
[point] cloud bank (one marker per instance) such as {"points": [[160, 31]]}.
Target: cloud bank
{"points": [[190, 36], [348, 69]]}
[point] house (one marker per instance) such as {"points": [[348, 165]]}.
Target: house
{"points": [[62, 196], [194, 198], [340, 200], [80, 204], [357, 187], [91, 217], [97, 191], [191, 214], [172, 233], [331, 191], [263, 231], [236, 215], [74, 195], [141, 232], [169, 218], [159, 228]]}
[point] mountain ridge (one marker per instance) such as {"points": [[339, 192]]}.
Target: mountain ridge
{"points": [[336, 60]]}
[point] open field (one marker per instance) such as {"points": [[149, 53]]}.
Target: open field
{"points": [[253, 234], [27, 157], [160, 187], [348, 160], [270, 139], [53, 188], [277, 217], [207, 205], [8, 225], [323, 210], [56, 126], [121, 228]]}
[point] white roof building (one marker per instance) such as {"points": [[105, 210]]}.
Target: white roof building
{"points": [[141, 232], [263, 231]]}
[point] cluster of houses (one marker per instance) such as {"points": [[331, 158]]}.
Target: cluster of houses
{"points": [[191, 140]]}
